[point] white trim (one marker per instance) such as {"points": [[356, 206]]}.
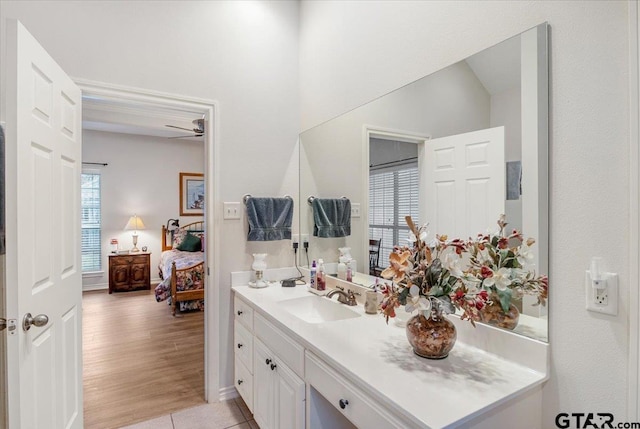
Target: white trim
{"points": [[633, 395], [228, 392], [97, 286], [91, 274], [209, 108], [373, 131]]}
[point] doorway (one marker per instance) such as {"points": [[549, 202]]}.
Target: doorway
{"points": [[158, 106]]}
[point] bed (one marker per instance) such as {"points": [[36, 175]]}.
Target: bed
{"points": [[182, 272]]}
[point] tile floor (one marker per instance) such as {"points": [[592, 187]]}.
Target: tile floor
{"points": [[231, 414]]}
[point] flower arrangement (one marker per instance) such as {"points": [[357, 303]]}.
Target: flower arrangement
{"points": [[429, 278], [500, 265]]}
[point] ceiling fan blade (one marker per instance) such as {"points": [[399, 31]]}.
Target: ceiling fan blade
{"points": [[180, 128], [185, 137]]}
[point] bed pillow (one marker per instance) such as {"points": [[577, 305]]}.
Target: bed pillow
{"points": [[178, 237], [191, 243]]}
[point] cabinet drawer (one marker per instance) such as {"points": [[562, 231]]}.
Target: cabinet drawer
{"points": [[243, 345], [291, 353], [244, 383], [243, 312], [361, 410]]}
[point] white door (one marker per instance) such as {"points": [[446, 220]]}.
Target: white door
{"points": [[43, 272], [463, 183]]}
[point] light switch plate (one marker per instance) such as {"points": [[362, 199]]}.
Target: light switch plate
{"points": [[231, 210], [355, 209]]}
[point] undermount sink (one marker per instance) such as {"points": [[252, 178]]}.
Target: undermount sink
{"points": [[316, 309]]}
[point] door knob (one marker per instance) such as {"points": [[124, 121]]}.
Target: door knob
{"points": [[3, 324], [39, 321]]}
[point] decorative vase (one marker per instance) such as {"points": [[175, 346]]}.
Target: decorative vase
{"points": [[431, 337], [493, 314]]}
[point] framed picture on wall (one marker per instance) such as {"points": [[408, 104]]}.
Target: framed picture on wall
{"points": [[191, 194]]}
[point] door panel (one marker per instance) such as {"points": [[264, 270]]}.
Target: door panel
{"points": [[43, 164], [463, 182]]}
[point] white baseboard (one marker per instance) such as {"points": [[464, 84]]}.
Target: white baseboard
{"points": [[228, 392], [100, 286]]}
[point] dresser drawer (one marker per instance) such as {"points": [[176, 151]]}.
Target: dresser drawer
{"points": [[243, 313], [243, 345], [355, 405], [244, 383], [290, 352]]}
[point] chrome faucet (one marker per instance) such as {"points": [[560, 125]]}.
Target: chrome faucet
{"points": [[348, 297]]}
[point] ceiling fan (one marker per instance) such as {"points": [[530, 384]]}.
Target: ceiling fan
{"points": [[198, 130]]}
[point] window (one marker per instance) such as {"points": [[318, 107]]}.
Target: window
{"points": [[393, 194], [91, 222]]}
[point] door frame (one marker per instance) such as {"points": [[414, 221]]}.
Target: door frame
{"points": [[374, 131], [210, 110], [633, 388]]}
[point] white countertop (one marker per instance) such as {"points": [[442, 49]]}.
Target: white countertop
{"points": [[378, 359]]}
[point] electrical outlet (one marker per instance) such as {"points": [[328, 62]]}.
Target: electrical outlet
{"points": [[305, 238], [355, 209], [295, 238], [231, 210], [605, 300]]}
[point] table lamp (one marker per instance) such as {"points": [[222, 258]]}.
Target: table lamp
{"points": [[135, 223]]}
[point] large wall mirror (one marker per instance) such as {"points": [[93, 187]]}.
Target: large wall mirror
{"points": [[454, 149]]}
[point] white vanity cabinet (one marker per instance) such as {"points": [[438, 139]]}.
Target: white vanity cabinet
{"points": [[243, 347], [267, 380], [352, 403], [279, 394]]}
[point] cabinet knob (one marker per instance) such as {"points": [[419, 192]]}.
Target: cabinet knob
{"points": [[239, 312], [268, 361], [343, 403], [273, 366], [240, 382], [239, 345]]}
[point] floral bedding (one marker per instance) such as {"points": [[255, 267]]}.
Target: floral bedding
{"points": [[186, 280]]}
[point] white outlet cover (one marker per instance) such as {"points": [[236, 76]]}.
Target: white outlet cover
{"points": [[231, 210], [612, 295]]}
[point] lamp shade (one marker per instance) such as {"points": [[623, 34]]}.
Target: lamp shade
{"points": [[135, 223]]}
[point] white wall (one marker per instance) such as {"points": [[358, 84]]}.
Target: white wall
{"points": [[589, 133], [244, 54], [143, 178], [505, 110]]}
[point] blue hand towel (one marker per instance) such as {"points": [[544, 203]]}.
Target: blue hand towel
{"points": [[331, 217], [269, 218]]}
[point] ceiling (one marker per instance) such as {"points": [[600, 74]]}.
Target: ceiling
{"points": [[141, 118]]}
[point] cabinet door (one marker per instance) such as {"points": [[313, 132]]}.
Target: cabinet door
{"points": [[139, 275], [263, 386], [119, 276], [290, 393]]}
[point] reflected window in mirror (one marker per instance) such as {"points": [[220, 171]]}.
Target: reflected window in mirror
{"points": [[393, 194]]}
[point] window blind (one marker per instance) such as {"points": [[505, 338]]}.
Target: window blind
{"points": [[91, 222], [393, 194]]}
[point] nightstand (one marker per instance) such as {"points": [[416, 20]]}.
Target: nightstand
{"points": [[130, 271]]}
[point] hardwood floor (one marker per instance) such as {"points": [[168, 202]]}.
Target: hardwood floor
{"points": [[139, 361]]}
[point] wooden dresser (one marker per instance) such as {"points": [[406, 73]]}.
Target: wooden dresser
{"points": [[129, 272]]}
